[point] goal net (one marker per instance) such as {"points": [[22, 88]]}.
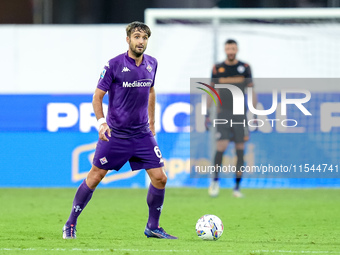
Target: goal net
{"points": [[278, 44]]}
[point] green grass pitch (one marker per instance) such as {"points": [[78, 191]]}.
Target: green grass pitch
{"points": [[266, 221]]}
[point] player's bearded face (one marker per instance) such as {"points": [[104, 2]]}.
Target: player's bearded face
{"points": [[138, 42], [231, 51]]}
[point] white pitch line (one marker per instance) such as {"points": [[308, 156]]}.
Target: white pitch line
{"points": [[89, 250], [299, 252], [148, 250]]}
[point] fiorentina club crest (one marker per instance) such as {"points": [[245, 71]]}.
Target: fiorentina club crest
{"points": [[103, 161], [149, 68]]}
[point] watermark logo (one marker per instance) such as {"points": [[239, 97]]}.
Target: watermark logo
{"points": [[239, 104], [209, 93]]}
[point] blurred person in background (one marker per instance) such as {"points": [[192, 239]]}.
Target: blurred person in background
{"points": [[235, 72]]}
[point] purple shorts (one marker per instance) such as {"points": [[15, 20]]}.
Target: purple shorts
{"points": [[141, 152]]}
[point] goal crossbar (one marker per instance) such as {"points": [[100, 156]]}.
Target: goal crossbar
{"points": [[151, 15]]}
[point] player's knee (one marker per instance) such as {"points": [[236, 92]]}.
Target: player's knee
{"points": [[164, 179], [222, 145], [97, 179], [92, 181], [161, 180], [94, 177]]}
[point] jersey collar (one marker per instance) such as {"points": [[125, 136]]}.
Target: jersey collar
{"points": [[132, 61]]}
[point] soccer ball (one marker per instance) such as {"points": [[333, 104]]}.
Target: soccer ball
{"points": [[209, 227]]}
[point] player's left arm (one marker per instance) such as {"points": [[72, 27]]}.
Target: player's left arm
{"points": [[250, 83], [254, 96], [151, 109]]}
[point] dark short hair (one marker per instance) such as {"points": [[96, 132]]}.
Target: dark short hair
{"points": [[230, 41], [139, 26]]}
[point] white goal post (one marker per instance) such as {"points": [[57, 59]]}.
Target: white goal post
{"points": [[151, 15], [215, 15], [276, 42]]}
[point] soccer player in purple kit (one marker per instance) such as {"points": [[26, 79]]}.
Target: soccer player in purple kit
{"points": [[127, 133]]}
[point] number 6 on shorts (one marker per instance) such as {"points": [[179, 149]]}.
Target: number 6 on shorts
{"points": [[157, 152]]}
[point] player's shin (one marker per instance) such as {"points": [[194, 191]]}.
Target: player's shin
{"points": [[82, 197], [239, 164], [217, 162], [154, 200]]}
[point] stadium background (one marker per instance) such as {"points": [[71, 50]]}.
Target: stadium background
{"points": [[49, 72]]}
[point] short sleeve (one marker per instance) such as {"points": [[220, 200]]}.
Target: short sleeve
{"points": [[248, 76], [106, 78], [154, 77], [248, 72], [214, 72]]}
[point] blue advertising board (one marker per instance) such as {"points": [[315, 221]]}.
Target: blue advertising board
{"points": [[49, 141]]}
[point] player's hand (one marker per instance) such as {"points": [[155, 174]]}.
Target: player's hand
{"points": [[255, 123], [152, 128], [104, 128]]}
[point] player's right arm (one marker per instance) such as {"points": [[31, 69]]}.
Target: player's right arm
{"points": [[104, 84], [207, 122], [97, 103], [212, 83]]}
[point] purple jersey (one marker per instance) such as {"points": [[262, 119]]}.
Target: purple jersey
{"points": [[128, 87]]}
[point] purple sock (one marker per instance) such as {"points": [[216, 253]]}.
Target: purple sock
{"points": [[155, 200], [82, 197]]}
